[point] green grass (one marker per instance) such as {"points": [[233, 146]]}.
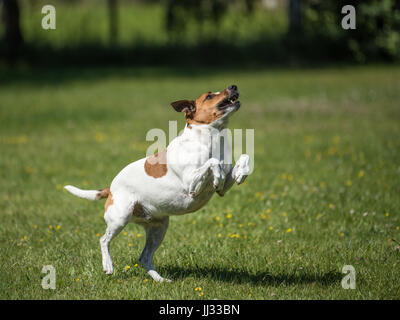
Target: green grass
{"points": [[327, 143]]}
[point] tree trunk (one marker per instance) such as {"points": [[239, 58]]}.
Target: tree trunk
{"points": [[12, 33], [295, 16], [113, 19]]}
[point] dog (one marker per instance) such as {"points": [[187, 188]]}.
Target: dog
{"points": [[179, 180]]}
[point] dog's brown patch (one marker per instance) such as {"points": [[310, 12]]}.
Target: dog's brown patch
{"points": [[103, 194], [109, 201], [156, 165]]}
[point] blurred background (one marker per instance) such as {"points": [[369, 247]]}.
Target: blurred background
{"points": [[219, 32]]}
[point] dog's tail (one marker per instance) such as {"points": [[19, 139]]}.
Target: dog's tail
{"points": [[89, 194]]}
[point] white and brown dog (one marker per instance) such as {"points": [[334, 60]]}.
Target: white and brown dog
{"points": [[176, 181]]}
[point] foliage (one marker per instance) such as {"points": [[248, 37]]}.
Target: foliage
{"points": [[377, 35]]}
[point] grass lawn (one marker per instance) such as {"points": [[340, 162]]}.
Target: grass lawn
{"points": [[324, 192]]}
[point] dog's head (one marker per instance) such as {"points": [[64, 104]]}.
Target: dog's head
{"points": [[210, 106]]}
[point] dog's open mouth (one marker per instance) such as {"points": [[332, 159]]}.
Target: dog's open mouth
{"points": [[230, 101]]}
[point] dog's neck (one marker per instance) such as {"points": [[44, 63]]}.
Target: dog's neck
{"points": [[209, 135], [219, 125]]}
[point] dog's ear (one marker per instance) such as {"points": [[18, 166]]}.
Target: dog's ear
{"points": [[186, 106]]}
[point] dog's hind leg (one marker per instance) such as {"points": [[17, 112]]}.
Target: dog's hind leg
{"points": [[155, 232], [115, 223]]}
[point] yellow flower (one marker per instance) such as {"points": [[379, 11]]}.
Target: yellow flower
{"points": [[251, 224], [130, 244], [263, 216], [139, 235], [361, 174], [197, 289], [289, 230], [284, 176], [234, 235], [58, 227], [348, 183], [127, 268], [16, 140], [35, 226], [284, 214], [125, 233], [341, 234], [271, 228], [336, 139], [51, 226], [97, 234], [77, 279], [100, 137], [29, 170], [258, 195], [331, 206], [290, 177], [135, 265], [217, 218], [228, 216], [387, 214], [219, 235], [269, 210], [41, 240], [145, 280], [397, 228], [318, 215], [201, 294]]}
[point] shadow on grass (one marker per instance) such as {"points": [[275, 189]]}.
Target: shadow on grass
{"points": [[260, 278], [45, 65]]}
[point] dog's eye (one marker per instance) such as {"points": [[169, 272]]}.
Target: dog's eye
{"points": [[210, 96]]}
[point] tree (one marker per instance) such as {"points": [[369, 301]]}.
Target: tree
{"points": [[295, 16], [113, 19], [13, 39]]}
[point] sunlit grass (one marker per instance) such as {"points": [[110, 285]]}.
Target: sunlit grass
{"points": [[324, 192]]}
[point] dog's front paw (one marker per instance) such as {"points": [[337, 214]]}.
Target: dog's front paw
{"points": [[241, 169], [219, 181]]}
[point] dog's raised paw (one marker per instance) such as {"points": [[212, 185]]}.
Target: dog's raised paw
{"points": [[241, 169]]}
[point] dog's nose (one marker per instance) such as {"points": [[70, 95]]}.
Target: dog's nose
{"points": [[232, 87]]}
